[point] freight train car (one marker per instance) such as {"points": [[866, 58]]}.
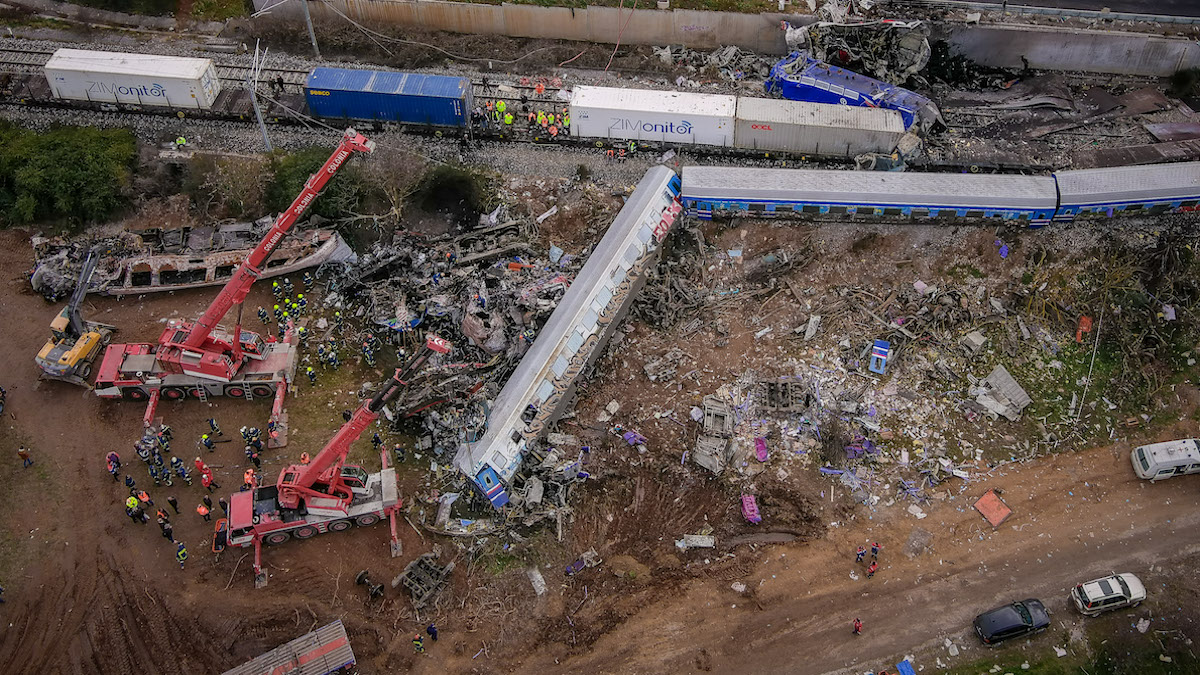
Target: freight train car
{"points": [[389, 96], [541, 387], [133, 79], [672, 117], [814, 128], [726, 191]]}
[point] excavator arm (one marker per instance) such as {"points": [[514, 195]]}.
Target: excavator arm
{"points": [[76, 326]]}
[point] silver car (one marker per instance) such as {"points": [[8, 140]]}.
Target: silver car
{"points": [[1101, 595]]}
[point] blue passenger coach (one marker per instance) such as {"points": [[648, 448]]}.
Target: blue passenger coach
{"points": [[731, 191]]}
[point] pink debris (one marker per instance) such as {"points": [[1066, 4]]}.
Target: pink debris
{"points": [[750, 509], [760, 448]]}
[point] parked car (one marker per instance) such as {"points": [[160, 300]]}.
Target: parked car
{"points": [[1102, 595], [1157, 461], [1012, 621]]}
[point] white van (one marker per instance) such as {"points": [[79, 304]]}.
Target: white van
{"points": [[1164, 460]]}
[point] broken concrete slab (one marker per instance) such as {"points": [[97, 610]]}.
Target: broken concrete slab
{"points": [[718, 418], [695, 541], [1001, 394], [712, 453]]}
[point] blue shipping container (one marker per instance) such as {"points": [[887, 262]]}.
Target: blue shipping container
{"points": [[388, 96]]}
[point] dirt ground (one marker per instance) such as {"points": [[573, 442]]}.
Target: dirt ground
{"points": [[90, 592]]}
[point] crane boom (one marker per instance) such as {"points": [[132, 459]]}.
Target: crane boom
{"points": [[238, 286], [296, 482]]}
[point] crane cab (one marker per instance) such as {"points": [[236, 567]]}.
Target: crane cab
{"points": [[355, 477]]}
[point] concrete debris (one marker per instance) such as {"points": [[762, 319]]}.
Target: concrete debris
{"points": [[536, 580], [695, 541], [889, 50], [712, 453], [664, 368], [1000, 393], [718, 418], [728, 63], [973, 342]]}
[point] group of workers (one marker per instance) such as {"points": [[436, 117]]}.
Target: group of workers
{"points": [[504, 117], [151, 448]]}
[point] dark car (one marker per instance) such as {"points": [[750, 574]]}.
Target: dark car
{"points": [[1011, 621]]}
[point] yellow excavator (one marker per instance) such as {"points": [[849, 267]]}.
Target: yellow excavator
{"points": [[75, 343]]}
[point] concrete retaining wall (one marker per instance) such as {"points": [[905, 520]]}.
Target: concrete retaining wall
{"points": [[701, 30], [999, 45], [1072, 49]]}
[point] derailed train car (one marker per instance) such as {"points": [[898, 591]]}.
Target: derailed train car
{"points": [[709, 192], [541, 387]]}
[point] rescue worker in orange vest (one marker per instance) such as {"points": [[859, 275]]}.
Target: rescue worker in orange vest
{"points": [[248, 476], [540, 88], [554, 132], [304, 458], [203, 511]]}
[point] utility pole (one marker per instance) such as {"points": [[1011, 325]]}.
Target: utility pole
{"points": [[252, 85], [311, 34]]}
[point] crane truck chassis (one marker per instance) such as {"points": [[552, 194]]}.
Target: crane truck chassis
{"points": [[198, 359], [326, 495]]}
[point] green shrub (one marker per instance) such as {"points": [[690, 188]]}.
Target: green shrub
{"points": [[76, 174], [342, 194]]}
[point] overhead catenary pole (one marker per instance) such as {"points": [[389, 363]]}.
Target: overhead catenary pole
{"points": [[252, 85], [311, 34]]}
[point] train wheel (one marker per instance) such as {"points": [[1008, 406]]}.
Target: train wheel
{"points": [[366, 519], [135, 394], [340, 525], [276, 538], [174, 393], [235, 392], [306, 532], [262, 392]]}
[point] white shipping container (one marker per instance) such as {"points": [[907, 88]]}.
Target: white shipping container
{"points": [[815, 128], [658, 116], [142, 79]]}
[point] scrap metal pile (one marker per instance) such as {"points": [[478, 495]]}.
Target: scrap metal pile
{"points": [[488, 293], [149, 259]]}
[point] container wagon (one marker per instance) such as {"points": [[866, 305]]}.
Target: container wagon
{"points": [[815, 128], [653, 116], [384, 96], [133, 79]]}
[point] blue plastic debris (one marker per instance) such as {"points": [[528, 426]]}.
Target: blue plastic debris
{"points": [[879, 356]]}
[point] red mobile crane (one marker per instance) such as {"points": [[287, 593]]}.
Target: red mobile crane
{"points": [[200, 359], [326, 494]]}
